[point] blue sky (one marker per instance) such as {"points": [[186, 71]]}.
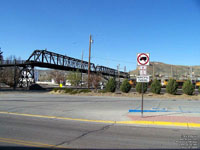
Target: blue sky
{"points": [[168, 29]]}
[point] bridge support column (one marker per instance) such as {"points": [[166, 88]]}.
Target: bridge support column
{"points": [[26, 76]]}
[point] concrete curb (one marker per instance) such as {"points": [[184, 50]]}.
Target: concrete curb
{"points": [[157, 123]]}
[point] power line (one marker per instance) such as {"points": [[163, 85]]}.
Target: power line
{"points": [[115, 60]]}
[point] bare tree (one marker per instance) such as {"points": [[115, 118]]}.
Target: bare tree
{"points": [[45, 76], [95, 80], [1, 56], [58, 76], [74, 78], [10, 75]]}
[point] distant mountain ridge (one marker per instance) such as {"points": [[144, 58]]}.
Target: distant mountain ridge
{"points": [[168, 70]]}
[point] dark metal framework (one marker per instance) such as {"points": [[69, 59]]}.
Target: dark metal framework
{"points": [[47, 59], [1, 55], [26, 76]]}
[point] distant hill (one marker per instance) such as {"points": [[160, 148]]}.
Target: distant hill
{"points": [[168, 70]]}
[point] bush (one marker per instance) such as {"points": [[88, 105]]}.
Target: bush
{"points": [[139, 87], [84, 91], [74, 92], [188, 87], [102, 91], [111, 85], [56, 89], [156, 87], [172, 87], [68, 90], [199, 89], [125, 87]]}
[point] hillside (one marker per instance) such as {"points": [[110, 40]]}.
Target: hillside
{"points": [[168, 70]]}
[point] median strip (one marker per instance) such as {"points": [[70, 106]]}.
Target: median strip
{"points": [[138, 122]]}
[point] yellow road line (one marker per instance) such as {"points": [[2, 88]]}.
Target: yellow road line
{"points": [[18, 143], [55, 117], [160, 123], [28, 143], [196, 125]]}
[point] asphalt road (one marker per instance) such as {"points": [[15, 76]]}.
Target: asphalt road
{"points": [[27, 131], [73, 134], [88, 107]]}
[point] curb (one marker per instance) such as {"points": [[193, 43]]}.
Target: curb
{"points": [[158, 123]]}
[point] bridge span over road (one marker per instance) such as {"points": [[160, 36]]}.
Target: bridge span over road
{"points": [[51, 60]]}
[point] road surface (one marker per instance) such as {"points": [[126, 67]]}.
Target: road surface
{"points": [[25, 121]]}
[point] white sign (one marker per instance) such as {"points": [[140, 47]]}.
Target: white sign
{"points": [[143, 67], [143, 59], [142, 78], [143, 72]]}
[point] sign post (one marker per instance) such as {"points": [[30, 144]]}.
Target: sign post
{"points": [[143, 62], [142, 99]]}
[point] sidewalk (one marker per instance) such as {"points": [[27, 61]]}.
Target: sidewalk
{"points": [[163, 119]]}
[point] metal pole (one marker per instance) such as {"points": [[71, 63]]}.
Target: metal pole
{"points": [[14, 86], [89, 61], [142, 99], [172, 72], [153, 72], [191, 73], [118, 76], [82, 69]]}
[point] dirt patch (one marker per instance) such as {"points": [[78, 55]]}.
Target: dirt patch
{"points": [[134, 94]]}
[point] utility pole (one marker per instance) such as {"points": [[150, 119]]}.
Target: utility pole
{"points": [[82, 69], [14, 86], [90, 42], [191, 73], [153, 71], [118, 75], [171, 72], [124, 68]]}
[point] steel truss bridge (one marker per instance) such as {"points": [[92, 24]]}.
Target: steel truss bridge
{"points": [[51, 60]]}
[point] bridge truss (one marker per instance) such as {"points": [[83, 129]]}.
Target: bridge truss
{"points": [[51, 60]]}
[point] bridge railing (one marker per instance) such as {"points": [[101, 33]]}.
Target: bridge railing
{"points": [[47, 59], [43, 56], [110, 71]]}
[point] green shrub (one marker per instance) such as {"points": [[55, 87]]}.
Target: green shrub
{"points": [[156, 87], [102, 91], [58, 89], [125, 87], [84, 91], [172, 87], [139, 87], [68, 90], [55, 89], [199, 89], [111, 85], [74, 92], [188, 87]]}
